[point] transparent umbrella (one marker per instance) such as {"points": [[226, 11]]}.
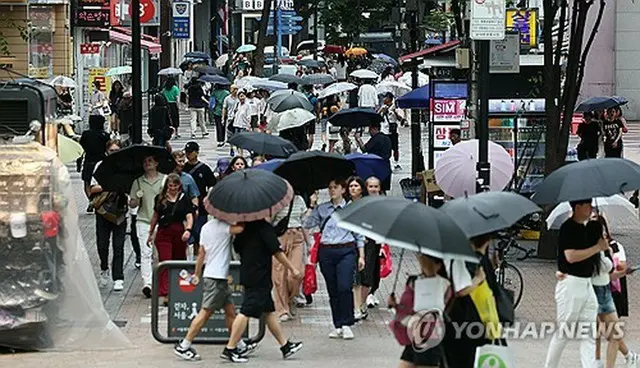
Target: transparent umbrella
{"points": [[63, 81]]}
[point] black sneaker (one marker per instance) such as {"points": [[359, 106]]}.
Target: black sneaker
{"points": [[233, 356], [309, 298], [147, 291], [90, 208], [249, 349], [186, 354], [290, 348]]}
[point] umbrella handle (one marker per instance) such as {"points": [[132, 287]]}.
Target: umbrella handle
{"points": [[395, 281]]}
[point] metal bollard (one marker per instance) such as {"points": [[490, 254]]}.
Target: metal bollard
{"points": [[182, 310]]}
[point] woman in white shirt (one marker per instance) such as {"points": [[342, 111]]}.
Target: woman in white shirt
{"points": [[242, 117]]}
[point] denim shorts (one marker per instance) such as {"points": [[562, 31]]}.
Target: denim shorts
{"points": [[605, 299]]}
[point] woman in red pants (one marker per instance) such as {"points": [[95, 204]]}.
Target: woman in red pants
{"points": [[173, 213]]}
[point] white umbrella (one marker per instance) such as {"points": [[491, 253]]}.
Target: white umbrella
{"points": [[290, 119], [63, 81], [222, 60], [616, 207], [364, 74], [423, 79], [170, 71], [336, 89], [118, 70], [456, 168], [248, 81], [310, 57], [397, 88]]}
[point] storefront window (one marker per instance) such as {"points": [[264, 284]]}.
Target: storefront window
{"points": [[41, 41]]}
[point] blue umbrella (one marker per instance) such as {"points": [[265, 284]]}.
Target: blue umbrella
{"points": [[386, 58], [270, 85], [621, 100], [245, 48], [368, 165], [215, 79], [416, 99], [597, 104], [270, 165], [355, 118], [197, 55]]}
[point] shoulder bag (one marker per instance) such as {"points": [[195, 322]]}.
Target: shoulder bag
{"points": [[283, 225]]}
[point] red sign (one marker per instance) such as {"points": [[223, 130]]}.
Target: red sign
{"points": [[115, 13], [92, 17], [147, 11], [448, 110], [441, 135], [89, 48], [184, 281]]}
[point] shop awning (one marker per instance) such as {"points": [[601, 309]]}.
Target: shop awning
{"points": [[418, 56], [152, 47]]}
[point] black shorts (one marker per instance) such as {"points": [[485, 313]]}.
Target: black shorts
{"points": [[430, 357], [257, 301], [311, 127]]}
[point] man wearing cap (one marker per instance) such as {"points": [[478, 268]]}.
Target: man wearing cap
{"points": [[189, 186], [205, 180], [379, 144], [389, 126], [220, 94]]}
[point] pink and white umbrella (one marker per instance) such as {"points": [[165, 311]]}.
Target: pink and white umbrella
{"points": [[456, 169]]}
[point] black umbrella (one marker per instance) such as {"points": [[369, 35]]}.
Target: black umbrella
{"points": [[248, 195], [215, 79], [310, 63], [406, 224], [355, 117], [118, 171], [321, 78], [312, 170], [197, 55], [598, 103], [286, 78], [488, 212], [206, 69], [588, 179], [263, 144], [284, 100]]}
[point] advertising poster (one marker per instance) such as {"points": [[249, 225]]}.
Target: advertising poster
{"points": [[97, 74], [441, 135], [448, 110]]}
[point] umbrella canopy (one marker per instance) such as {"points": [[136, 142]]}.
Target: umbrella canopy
{"points": [[290, 119], [270, 85], [214, 79], [117, 171], [456, 168], [312, 170], [368, 165], [206, 69], [270, 165], [355, 117], [286, 78], [197, 55], [63, 81], [281, 101], [170, 71], [118, 70], [396, 88], [386, 58], [320, 78], [409, 225], [588, 179], [333, 49], [248, 81], [616, 207], [423, 79], [68, 149], [336, 89], [355, 51], [364, 74], [416, 99], [222, 60], [488, 212], [598, 103], [263, 144], [621, 100], [245, 48], [310, 63], [248, 195]]}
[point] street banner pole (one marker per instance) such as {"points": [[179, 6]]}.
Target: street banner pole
{"points": [[136, 71]]}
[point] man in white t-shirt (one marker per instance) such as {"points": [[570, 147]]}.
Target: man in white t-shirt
{"points": [[215, 255], [367, 95]]}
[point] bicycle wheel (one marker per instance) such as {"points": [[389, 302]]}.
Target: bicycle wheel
{"points": [[510, 277]]}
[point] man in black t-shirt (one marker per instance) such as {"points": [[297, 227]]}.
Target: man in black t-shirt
{"points": [[575, 298], [205, 180], [257, 246], [589, 133], [379, 144]]}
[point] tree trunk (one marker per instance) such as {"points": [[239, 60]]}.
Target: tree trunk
{"points": [[258, 55]]}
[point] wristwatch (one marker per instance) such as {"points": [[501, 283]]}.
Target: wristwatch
{"points": [[189, 230]]}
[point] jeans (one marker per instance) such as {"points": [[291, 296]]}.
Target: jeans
{"points": [[197, 119], [197, 227], [338, 266], [575, 302], [135, 241], [105, 230], [146, 252]]}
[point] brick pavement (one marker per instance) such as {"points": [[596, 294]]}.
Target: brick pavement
{"points": [[373, 344]]}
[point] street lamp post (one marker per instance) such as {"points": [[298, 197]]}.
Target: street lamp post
{"points": [[482, 126], [136, 71]]}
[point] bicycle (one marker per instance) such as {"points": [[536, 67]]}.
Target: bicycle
{"points": [[508, 275]]}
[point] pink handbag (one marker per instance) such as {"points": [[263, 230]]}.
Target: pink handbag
{"points": [[615, 284]]}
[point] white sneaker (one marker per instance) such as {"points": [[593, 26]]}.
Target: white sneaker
{"points": [[599, 364], [118, 285], [631, 360], [347, 334], [371, 301], [336, 334], [104, 279], [285, 318]]}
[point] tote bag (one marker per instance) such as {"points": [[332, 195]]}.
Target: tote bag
{"points": [[485, 304], [493, 356]]}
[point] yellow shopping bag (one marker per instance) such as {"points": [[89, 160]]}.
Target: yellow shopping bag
{"points": [[485, 304]]}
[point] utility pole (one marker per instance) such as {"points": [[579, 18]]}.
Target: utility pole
{"points": [[166, 13], [482, 124], [277, 31], [230, 34], [417, 159], [315, 30], [136, 71]]}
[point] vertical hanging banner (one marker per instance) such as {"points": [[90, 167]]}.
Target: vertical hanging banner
{"points": [[181, 22]]}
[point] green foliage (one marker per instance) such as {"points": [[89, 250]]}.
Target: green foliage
{"points": [[23, 27], [345, 16], [438, 21]]}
